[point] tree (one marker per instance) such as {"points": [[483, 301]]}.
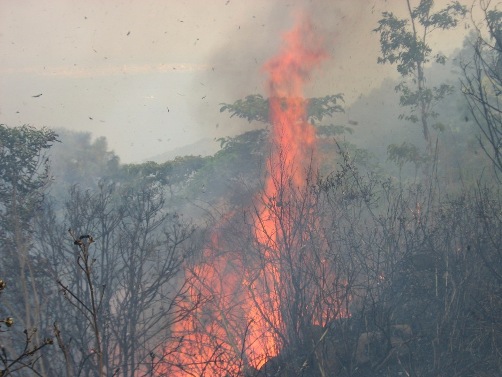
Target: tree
{"points": [[266, 286], [30, 351], [176, 174], [256, 108], [89, 304], [349, 275], [24, 176], [124, 287], [482, 83], [78, 159], [405, 42]]}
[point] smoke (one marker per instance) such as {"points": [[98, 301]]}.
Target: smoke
{"points": [[139, 51], [235, 66]]}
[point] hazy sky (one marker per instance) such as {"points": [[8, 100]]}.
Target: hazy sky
{"points": [[150, 74]]}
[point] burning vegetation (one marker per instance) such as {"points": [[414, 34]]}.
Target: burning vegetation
{"points": [[313, 262], [265, 286]]}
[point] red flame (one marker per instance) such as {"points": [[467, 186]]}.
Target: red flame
{"points": [[238, 321], [293, 136], [293, 142]]}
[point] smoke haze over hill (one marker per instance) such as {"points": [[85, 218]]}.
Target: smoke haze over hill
{"points": [[150, 76]]}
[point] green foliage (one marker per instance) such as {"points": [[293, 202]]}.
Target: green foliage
{"points": [[333, 130], [494, 23], [406, 152], [415, 98], [359, 158], [176, 173], [251, 142], [404, 42], [322, 107], [80, 160], [256, 108], [444, 19], [400, 43], [252, 108], [24, 173], [23, 163], [238, 163]]}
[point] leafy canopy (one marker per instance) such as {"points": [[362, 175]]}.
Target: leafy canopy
{"points": [[399, 40], [256, 108], [24, 167], [404, 42]]}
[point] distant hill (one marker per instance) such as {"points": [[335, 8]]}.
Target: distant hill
{"points": [[203, 147]]}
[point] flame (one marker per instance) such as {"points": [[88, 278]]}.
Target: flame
{"points": [[238, 318], [293, 143]]}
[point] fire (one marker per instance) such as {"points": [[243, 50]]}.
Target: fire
{"points": [[293, 142], [292, 135], [241, 319]]}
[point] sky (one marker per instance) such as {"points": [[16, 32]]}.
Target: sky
{"points": [[150, 75]]}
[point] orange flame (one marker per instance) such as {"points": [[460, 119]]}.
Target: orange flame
{"points": [[292, 135], [293, 142], [238, 321]]}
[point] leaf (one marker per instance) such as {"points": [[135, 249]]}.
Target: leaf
{"points": [[406, 152], [256, 108]]}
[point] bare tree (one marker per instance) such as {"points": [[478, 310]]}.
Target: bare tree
{"points": [[29, 354], [124, 287], [272, 284], [482, 82]]}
